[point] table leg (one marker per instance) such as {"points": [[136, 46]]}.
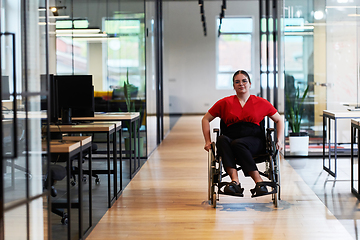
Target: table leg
{"points": [[114, 164], [335, 148], [80, 192], [120, 165], [358, 155], [352, 158], [108, 168], [68, 176]]}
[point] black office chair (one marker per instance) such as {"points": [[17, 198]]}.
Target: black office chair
{"points": [[269, 156], [57, 173], [57, 158]]}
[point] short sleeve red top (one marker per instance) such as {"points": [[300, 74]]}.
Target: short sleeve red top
{"points": [[230, 110]]}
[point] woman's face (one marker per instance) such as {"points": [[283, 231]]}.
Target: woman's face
{"points": [[241, 83]]}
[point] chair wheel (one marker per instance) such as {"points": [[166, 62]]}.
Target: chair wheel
{"points": [[84, 179], [65, 219], [72, 183], [53, 191], [97, 180], [214, 200]]}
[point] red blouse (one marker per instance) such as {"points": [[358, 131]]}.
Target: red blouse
{"points": [[230, 110]]}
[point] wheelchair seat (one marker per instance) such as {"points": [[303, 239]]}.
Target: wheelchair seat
{"points": [[269, 155]]}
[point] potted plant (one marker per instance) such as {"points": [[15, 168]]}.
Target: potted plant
{"points": [[298, 141], [129, 90]]}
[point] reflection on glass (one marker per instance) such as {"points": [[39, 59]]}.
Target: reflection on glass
{"points": [[37, 218], [235, 49], [15, 223]]}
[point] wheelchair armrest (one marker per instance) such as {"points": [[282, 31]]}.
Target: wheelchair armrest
{"points": [[270, 129], [217, 131]]}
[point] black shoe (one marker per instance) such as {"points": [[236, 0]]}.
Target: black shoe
{"points": [[234, 189], [259, 190]]}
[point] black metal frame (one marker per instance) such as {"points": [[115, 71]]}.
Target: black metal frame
{"points": [[25, 94], [327, 139], [159, 71], [355, 138], [269, 9]]}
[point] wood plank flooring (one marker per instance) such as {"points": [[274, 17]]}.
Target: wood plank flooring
{"points": [[167, 199]]}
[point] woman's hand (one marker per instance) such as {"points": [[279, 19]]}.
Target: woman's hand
{"points": [[279, 146], [207, 146]]}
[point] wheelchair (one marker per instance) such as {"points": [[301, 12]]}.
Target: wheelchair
{"points": [[269, 156]]}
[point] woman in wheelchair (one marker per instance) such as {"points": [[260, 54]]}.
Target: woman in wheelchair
{"points": [[243, 137]]}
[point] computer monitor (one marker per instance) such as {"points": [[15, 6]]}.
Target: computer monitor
{"points": [[75, 92], [5, 90], [48, 86]]}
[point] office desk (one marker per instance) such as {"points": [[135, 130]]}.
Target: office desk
{"points": [[355, 138], [69, 149], [132, 118], [119, 182], [85, 142], [327, 117], [108, 129]]}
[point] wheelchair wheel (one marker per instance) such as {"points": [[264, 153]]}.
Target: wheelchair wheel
{"points": [[213, 204], [213, 177], [276, 175]]}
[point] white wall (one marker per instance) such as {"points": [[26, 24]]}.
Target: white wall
{"points": [[190, 57]]}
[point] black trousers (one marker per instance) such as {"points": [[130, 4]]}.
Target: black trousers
{"points": [[240, 151]]}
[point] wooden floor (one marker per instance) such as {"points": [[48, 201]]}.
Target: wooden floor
{"points": [[167, 199]]}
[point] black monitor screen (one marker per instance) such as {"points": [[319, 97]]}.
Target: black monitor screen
{"points": [[48, 92], [5, 91], [77, 93]]}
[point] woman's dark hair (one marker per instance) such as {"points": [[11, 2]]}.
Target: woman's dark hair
{"points": [[241, 72]]}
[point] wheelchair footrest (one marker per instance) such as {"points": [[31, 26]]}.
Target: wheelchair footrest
{"points": [[231, 193], [260, 187]]}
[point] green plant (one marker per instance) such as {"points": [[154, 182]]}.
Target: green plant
{"points": [[130, 105], [295, 109], [128, 89]]}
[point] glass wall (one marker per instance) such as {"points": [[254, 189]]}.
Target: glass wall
{"points": [[107, 41], [24, 59], [232, 41], [321, 40], [302, 41], [151, 75]]}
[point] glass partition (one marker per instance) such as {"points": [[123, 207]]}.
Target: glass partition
{"points": [[24, 58], [320, 41]]}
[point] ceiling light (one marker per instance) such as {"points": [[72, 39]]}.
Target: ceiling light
{"points": [[55, 17], [78, 31], [318, 15], [82, 35]]}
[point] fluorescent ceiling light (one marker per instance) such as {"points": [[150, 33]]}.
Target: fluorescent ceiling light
{"points": [[55, 17], [78, 30], [80, 35]]}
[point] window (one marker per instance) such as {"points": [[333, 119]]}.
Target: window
{"points": [[234, 49]]}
